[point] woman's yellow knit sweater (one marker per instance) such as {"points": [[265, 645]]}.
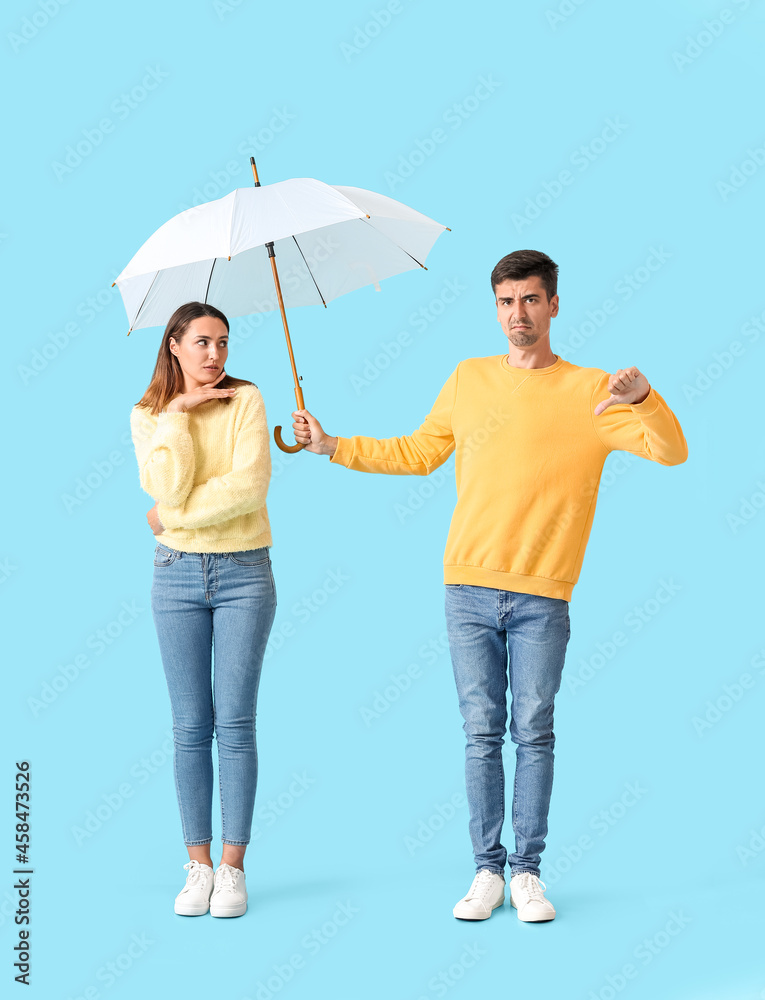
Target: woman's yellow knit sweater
{"points": [[209, 470]]}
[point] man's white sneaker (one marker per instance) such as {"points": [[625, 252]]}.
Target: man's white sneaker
{"points": [[527, 897], [194, 898], [486, 893], [229, 898]]}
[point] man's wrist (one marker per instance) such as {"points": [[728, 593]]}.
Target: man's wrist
{"points": [[648, 393], [330, 446]]}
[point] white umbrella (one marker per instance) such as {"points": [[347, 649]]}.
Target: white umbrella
{"points": [[330, 240]]}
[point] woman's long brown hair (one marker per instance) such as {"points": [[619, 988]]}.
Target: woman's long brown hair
{"points": [[167, 380]]}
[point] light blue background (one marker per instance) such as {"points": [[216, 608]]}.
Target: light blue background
{"points": [[349, 117]]}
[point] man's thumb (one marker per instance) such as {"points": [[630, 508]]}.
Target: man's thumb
{"points": [[603, 405]]}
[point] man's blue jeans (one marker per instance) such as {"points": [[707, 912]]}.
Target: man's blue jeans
{"points": [[224, 600], [496, 635]]}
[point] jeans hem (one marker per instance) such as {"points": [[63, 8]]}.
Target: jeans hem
{"points": [[491, 868], [198, 843], [236, 843]]}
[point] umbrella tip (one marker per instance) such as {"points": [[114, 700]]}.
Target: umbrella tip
{"points": [[113, 284], [128, 333], [448, 229]]}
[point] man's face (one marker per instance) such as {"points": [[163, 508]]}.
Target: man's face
{"points": [[523, 311]]}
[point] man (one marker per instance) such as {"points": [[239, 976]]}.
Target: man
{"points": [[530, 433]]}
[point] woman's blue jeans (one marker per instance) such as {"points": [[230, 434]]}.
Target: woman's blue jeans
{"points": [[496, 636], [224, 601]]}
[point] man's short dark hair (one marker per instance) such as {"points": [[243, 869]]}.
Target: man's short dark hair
{"points": [[527, 264]]}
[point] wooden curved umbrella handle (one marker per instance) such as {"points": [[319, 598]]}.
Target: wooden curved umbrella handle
{"points": [[280, 444]]}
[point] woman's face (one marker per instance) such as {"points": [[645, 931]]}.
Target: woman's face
{"points": [[202, 351]]}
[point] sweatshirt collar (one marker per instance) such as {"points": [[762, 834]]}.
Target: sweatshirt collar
{"points": [[533, 371]]}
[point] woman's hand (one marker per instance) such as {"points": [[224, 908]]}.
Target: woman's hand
{"points": [[154, 522], [199, 395]]}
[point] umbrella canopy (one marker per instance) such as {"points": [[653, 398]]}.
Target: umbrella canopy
{"points": [[329, 240]]}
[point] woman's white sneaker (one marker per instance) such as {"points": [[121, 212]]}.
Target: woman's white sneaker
{"points": [[527, 896], [229, 897], [194, 898], [486, 893]]}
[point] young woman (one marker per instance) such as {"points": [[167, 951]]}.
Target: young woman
{"points": [[202, 445]]}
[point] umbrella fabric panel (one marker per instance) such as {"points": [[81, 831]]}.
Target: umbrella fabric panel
{"points": [[164, 291], [338, 259], [245, 284], [196, 235], [285, 208]]}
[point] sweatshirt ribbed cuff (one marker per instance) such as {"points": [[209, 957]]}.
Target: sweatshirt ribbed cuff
{"points": [[343, 452], [648, 405]]}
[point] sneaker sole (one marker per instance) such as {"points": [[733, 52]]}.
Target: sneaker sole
{"points": [[485, 916], [191, 911], [229, 911], [532, 920]]}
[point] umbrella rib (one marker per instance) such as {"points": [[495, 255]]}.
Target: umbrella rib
{"points": [[394, 243], [210, 278], [135, 318], [309, 271]]}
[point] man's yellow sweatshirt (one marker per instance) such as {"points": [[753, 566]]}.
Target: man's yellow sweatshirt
{"points": [[529, 453], [209, 470]]}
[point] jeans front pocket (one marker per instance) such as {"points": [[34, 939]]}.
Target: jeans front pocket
{"points": [[249, 557], [163, 556]]}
